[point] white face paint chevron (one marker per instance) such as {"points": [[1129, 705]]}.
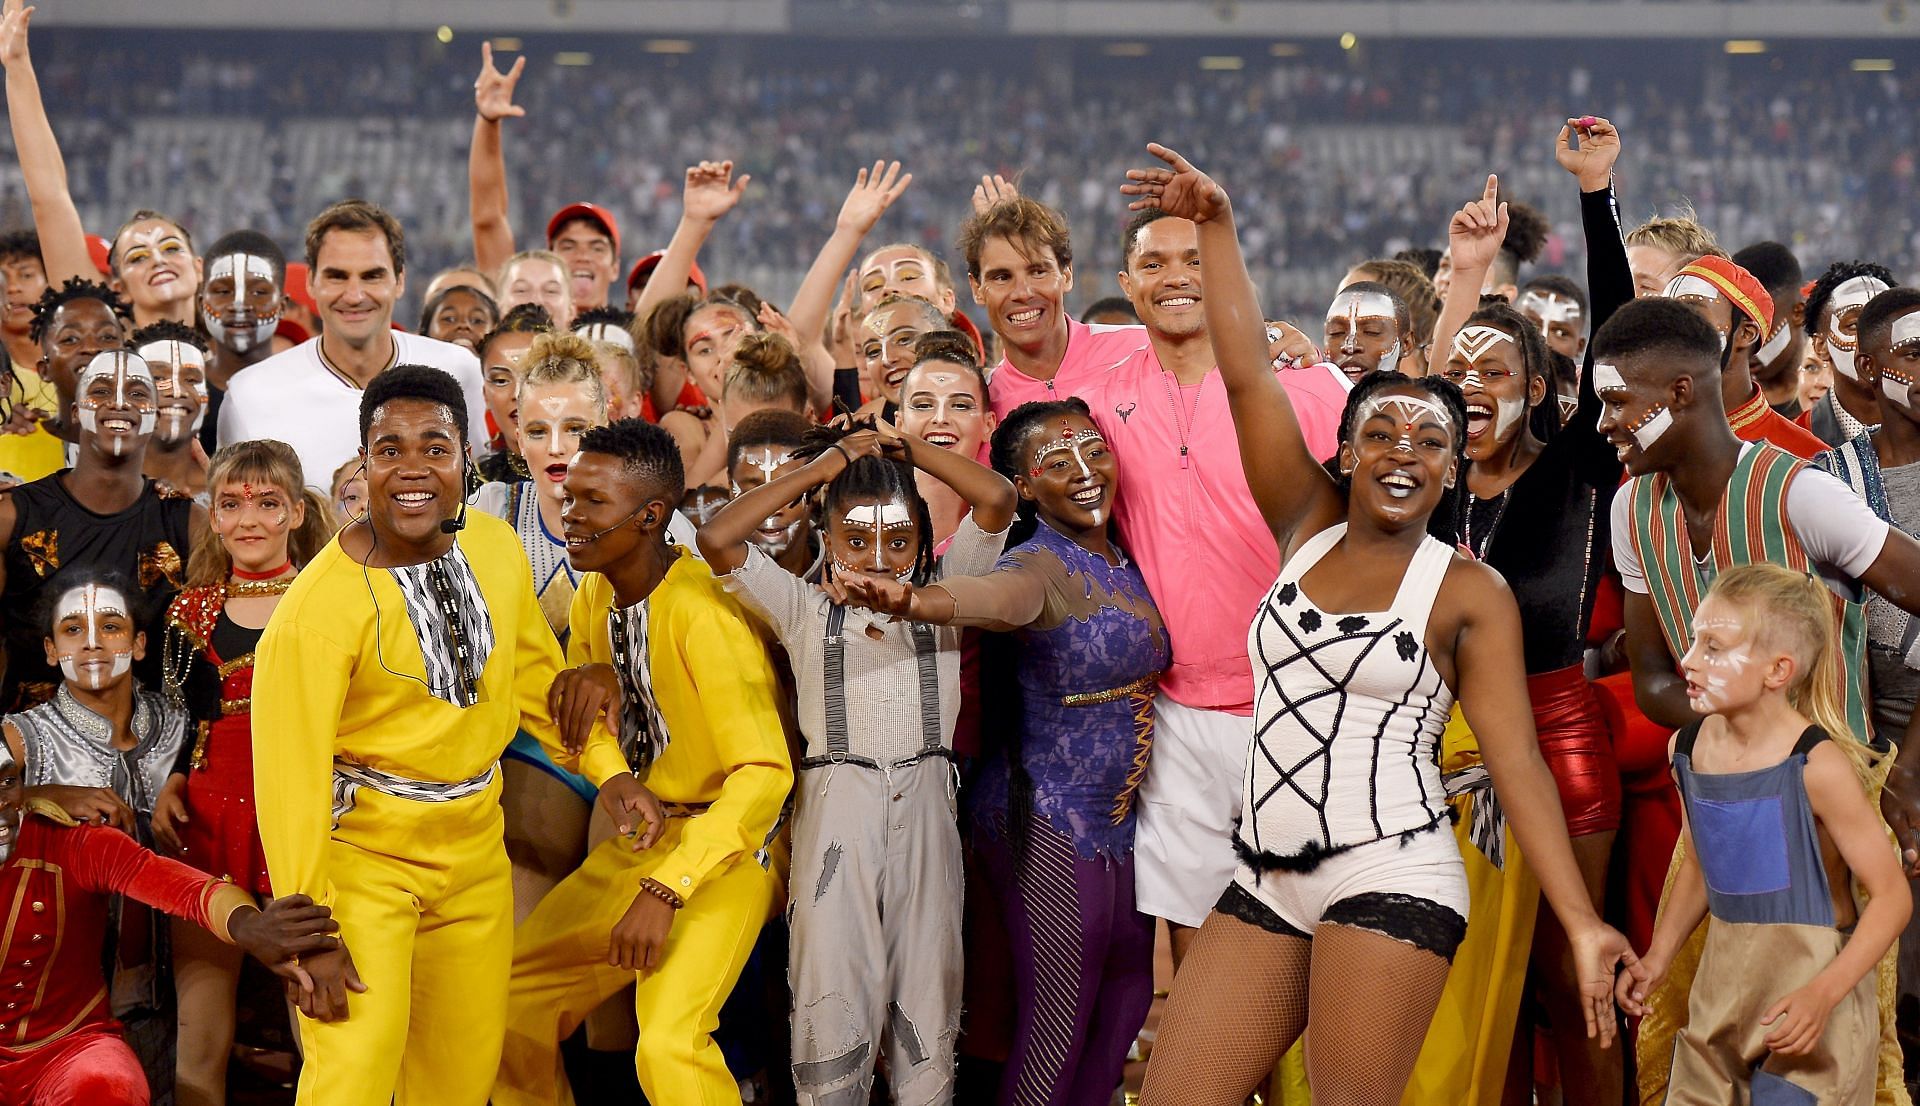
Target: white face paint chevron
{"points": [[1473, 342]]}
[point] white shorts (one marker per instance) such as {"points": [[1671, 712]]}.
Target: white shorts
{"points": [[1189, 806], [1413, 891]]}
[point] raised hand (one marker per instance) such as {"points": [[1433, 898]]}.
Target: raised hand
{"points": [[711, 190], [1599, 148], [775, 323], [882, 594], [991, 190], [1178, 189], [14, 17], [873, 191], [493, 90], [1475, 234]]}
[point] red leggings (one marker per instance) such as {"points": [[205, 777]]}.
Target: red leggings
{"points": [[91, 1066]]}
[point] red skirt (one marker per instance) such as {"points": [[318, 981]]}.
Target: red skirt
{"points": [[222, 834], [1577, 748]]}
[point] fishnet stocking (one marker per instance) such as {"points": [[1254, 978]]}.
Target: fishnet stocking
{"points": [[1239, 1001], [1373, 999]]}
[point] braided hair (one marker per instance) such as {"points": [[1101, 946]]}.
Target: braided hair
{"points": [[870, 478]]}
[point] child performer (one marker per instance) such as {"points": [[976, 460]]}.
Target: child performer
{"points": [[1777, 825]]}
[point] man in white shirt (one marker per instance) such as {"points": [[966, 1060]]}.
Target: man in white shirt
{"points": [[309, 396]]}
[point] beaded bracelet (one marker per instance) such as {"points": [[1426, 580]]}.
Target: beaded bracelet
{"points": [[662, 892]]}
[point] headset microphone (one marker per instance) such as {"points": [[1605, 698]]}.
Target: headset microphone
{"points": [[457, 523], [598, 534]]}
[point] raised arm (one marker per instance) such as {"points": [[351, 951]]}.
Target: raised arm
{"points": [[1895, 574], [1473, 236], [873, 191], [1294, 493], [1011, 597], [487, 164], [989, 494], [723, 540], [63, 242], [1609, 280], [710, 193]]}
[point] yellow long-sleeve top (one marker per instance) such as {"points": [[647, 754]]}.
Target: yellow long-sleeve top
{"points": [[339, 673], [716, 692]]}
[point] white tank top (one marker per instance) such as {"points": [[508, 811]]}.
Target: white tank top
{"points": [[1347, 713]]}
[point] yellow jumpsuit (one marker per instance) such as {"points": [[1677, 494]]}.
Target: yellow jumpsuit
{"points": [[421, 890], [726, 752]]}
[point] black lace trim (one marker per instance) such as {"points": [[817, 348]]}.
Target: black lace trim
{"points": [[1419, 922], [1238, 902]]}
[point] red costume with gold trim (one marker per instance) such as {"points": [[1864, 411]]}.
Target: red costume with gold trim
{"points": [[222, 834]]}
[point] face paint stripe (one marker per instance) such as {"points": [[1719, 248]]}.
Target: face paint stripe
{"points": [[1474, 342]]}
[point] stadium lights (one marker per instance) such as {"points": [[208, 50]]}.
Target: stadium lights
{"points": [[1285, 50], [444, 34], [1873, 65], [1222, 62], [1125, 49], [1349, 40], [573, 57], [1746, 46], [506, 42], [669, 46]]}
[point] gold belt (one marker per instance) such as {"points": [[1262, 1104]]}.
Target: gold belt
{"points": [[1142, 686]]}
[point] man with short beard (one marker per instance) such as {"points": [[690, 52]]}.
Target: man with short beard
{"points": [[240, 304], [1164, 409]]}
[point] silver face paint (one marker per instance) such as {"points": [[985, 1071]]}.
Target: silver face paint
{"points": [[172, 358], [607, 333], [121, 367], [93, 604], [1552, 307], [1842, 345], [1356, 306], [241, 268]]}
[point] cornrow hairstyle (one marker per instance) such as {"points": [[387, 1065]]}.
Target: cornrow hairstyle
{"points": [[144, 215], [73, 288], [1876, 318], [644, 451], [1560, 285], [562, 357], [421, 382], [139, 603], [871, 478], [1837, 274], [1444, 523], [255, 243], [166, 330], [432, 306], [1527, 232], [948, 347], [269, 463], [766, 369], [771, 427], [1543, 418], [527, 318]]}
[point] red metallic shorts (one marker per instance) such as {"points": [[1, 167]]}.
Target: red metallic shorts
{"points": [[1577, 749]]}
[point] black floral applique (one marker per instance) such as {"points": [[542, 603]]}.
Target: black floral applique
{"points": [[1405, 645], [1287, 593], [1352, 624], [1310, 620]]}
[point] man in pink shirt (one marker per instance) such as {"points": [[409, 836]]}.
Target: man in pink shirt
{"points": [[1020, 267], [1188, 519]]}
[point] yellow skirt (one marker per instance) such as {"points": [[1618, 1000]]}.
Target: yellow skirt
{"points": [[1464, 1059]]}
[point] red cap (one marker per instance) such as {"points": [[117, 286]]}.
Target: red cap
{"points": [[297, 276], [290, 330], [585, 211], [1739, 286], [646, 265], [97, 250], [966, 326]]}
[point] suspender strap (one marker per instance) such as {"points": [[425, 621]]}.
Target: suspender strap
{"points": [[926, 659], [836, 679]]}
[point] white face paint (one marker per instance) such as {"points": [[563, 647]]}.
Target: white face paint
{"points": [[1843, 342], [1905, 338], [1471, 344], [1552, 307], [1606, 378], [1075, 446], [1716, 668], [607, 333], [122, 368], [93, 605], [1356, 306], [1648, 430], [1776, 345], [170, 359], [773, 536], [242, 269], [1406, 411], [1687, 286], [877, 519]]}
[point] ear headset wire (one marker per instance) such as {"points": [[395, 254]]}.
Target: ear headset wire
{"points": [[447, 526]]}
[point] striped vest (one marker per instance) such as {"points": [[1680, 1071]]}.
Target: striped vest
{"points": [[1750, 527]]}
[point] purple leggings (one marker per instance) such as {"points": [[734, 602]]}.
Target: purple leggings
{"points": [[1082, 967]]}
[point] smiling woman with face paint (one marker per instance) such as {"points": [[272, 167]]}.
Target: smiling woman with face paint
{"points": [[1347, 868], [943, 399], [265, 524], [177, 357], [874, 832], [1053, 808]]}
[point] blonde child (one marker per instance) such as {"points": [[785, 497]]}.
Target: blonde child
{"points": [[1778, 828]]}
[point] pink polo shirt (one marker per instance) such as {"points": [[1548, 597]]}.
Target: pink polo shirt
{"points": [[1193, 528], [1092, 352]]}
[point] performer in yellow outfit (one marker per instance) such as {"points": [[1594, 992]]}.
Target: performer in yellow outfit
{"points": [[387, 683], [659, 646]]}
